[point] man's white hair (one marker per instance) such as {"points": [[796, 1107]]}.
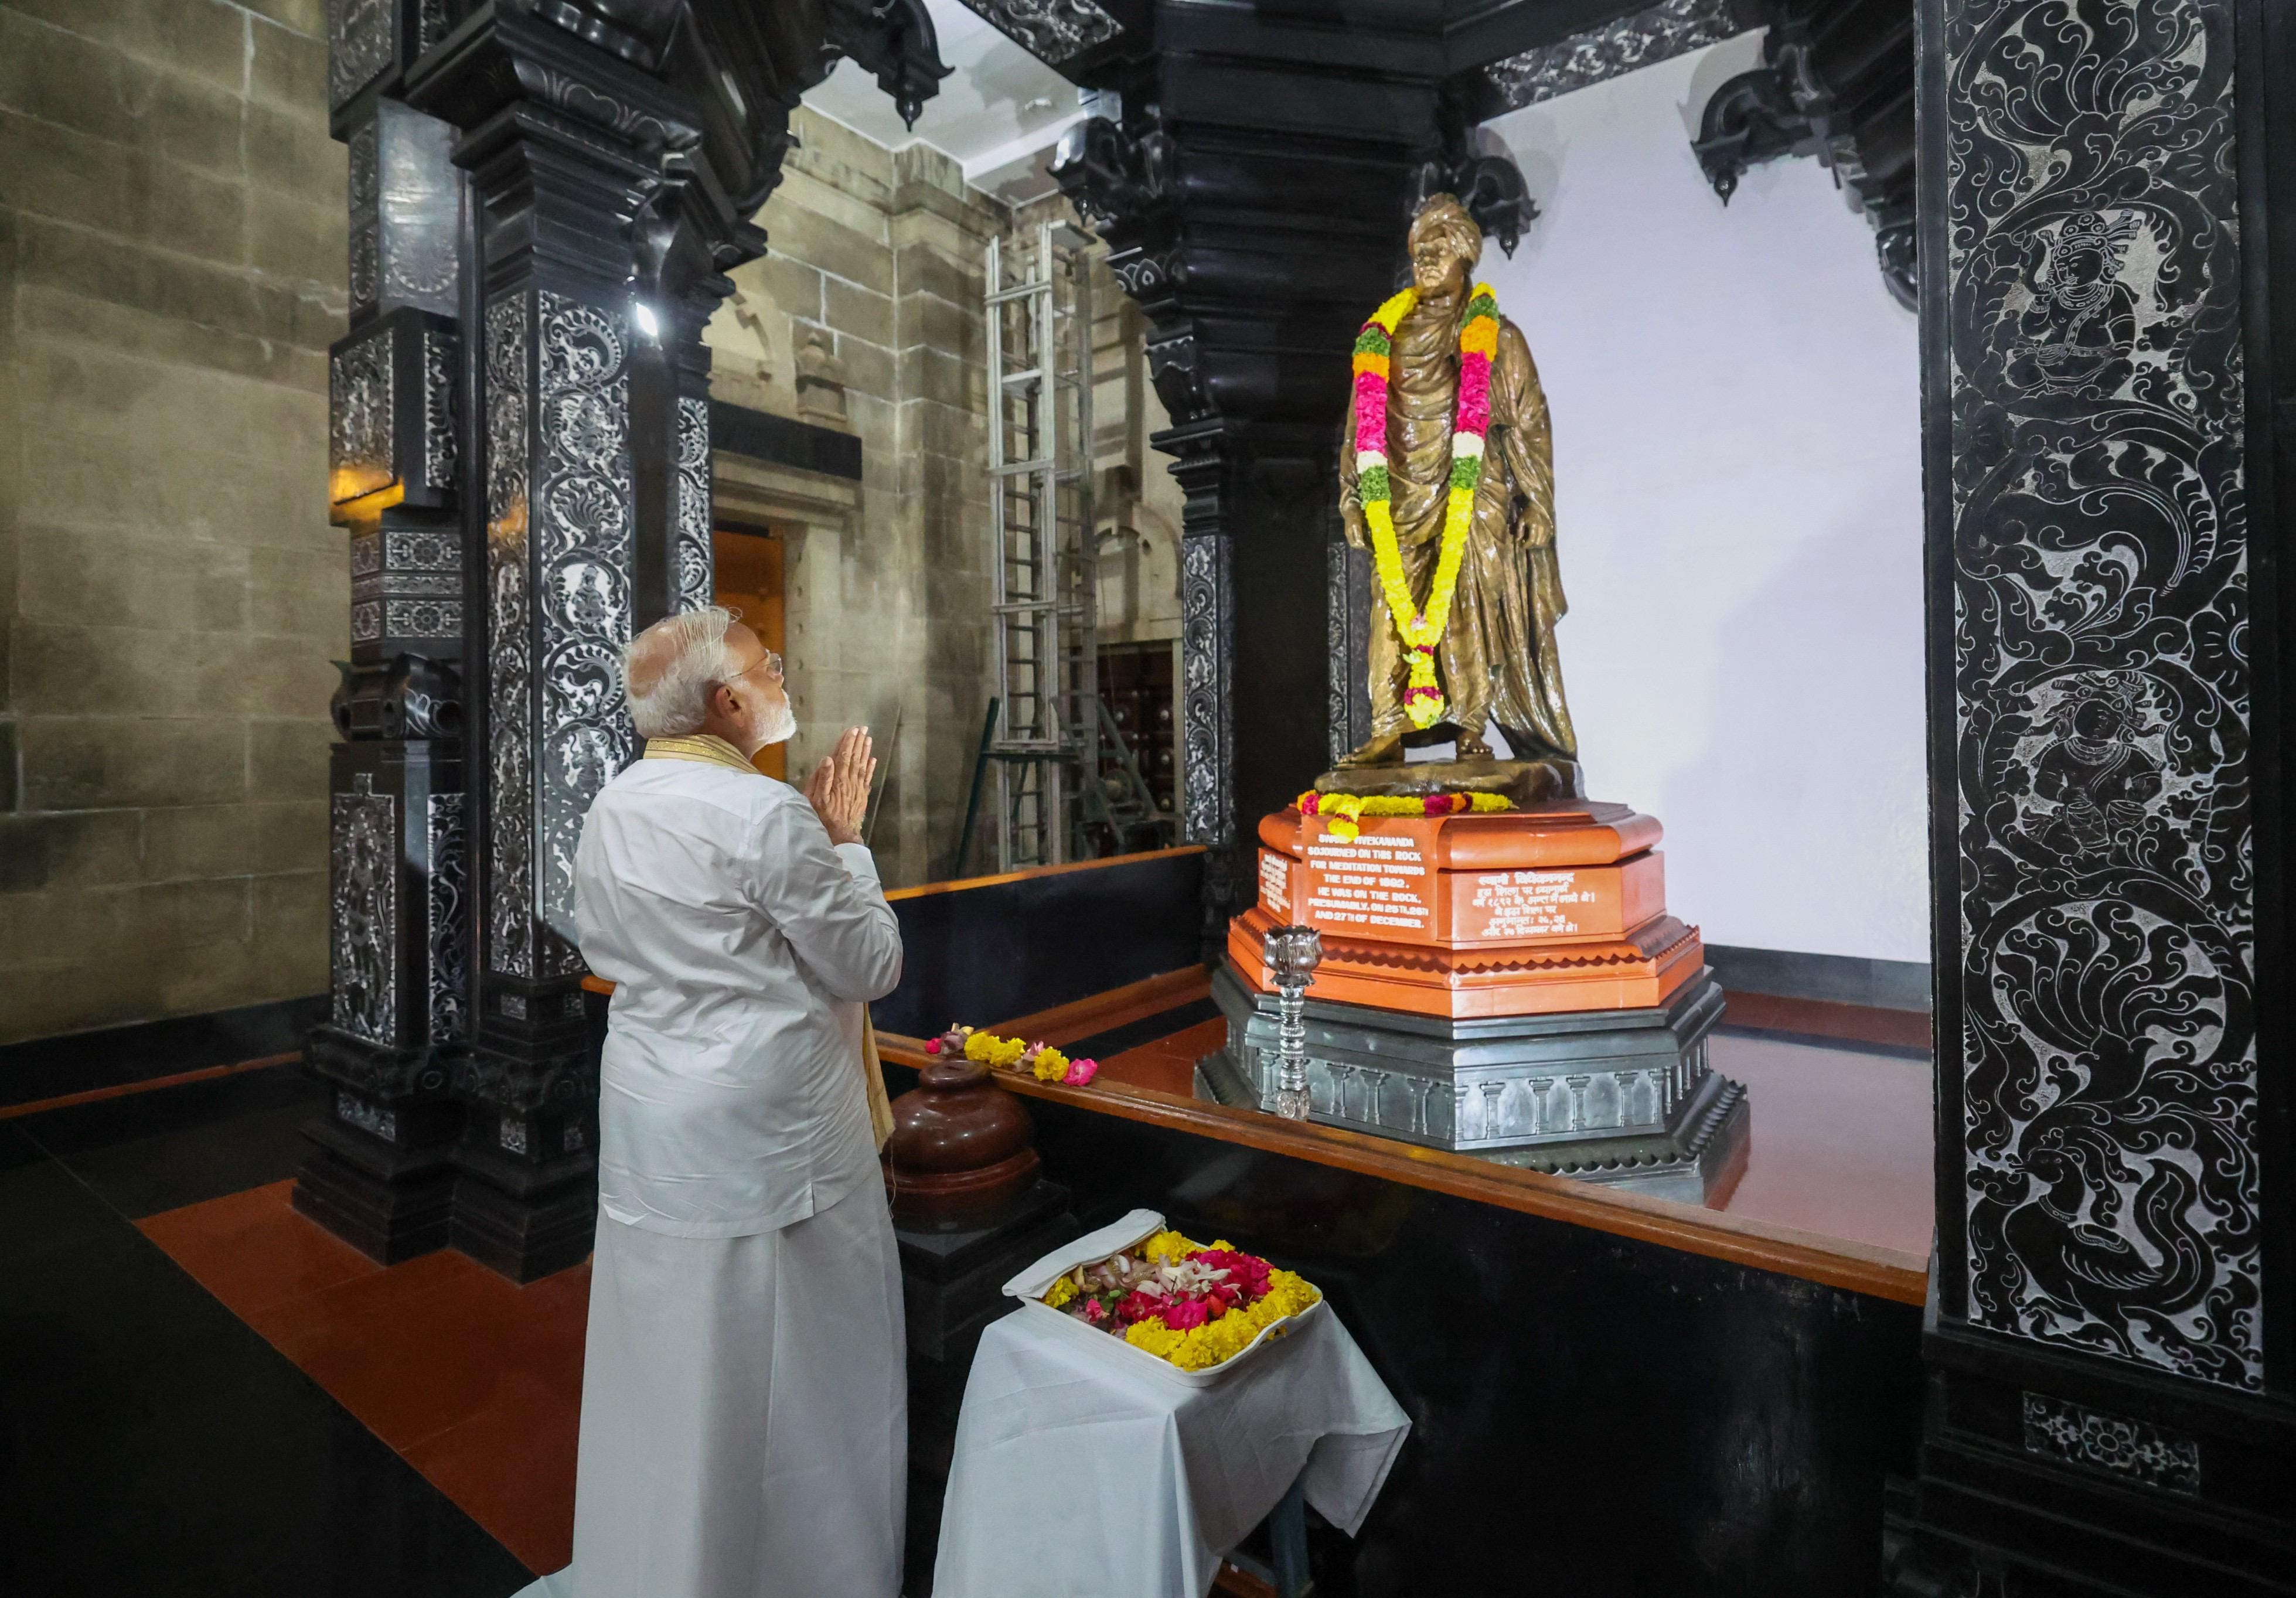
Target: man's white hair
{"points": [[670, 670]]}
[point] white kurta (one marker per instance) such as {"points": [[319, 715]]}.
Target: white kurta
{"points": [[740, 945], [743, 1397]]}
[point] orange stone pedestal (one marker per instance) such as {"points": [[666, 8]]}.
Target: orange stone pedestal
{"points": [[1522, 912], [1508, 985]]}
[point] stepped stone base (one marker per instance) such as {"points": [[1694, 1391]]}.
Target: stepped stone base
{"points": [[524, 1222], [389, 1204], [1619, 1096]]}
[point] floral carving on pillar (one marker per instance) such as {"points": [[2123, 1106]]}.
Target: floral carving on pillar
{"points": [[364, 851], [583, 525], [2108, 1062], [510, 678]]}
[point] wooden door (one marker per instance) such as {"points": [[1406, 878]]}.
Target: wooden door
{"points": [[750, 581]]}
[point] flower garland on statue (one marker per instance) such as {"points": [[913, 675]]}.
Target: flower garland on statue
{"points": [[1342, 812], [1186, 1303], [1422, 629], [1038, 1059]]}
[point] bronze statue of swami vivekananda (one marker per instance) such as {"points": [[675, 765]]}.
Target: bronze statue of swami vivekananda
{"points": [[1496, 659]]}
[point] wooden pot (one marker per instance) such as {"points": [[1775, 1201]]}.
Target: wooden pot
{"points": [[961, 1144]]}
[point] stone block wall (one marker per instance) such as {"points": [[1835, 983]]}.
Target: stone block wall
{"points": [[172, 266], [1139, 500], [172, 270], [888, 603]]}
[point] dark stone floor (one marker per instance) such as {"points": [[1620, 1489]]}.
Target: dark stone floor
{"points": [[150, 1442]]}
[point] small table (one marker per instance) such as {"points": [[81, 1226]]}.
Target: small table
{"points": [[1075, 1474]]}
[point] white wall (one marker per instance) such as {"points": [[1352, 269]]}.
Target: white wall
{"points": [[1738, 501]]}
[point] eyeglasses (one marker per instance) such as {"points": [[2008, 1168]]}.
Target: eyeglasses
{"points": [[770, 663]]}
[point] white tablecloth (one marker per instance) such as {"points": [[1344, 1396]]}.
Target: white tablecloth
{"points": [[1076, 1478]]}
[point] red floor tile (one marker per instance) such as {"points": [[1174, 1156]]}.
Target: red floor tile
{"points": [[511, 1466], [413, 1357], [251, 1251]]}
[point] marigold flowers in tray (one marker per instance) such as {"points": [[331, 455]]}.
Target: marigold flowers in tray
{"points": [[1184, 1303], [1038, 1059]]}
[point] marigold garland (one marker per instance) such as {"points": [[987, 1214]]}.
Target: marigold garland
{"points": [[1422, 629], [1039, 1059], [1342, 811]]}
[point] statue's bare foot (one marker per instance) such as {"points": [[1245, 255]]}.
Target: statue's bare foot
{"points": [[1374, 752], [1471, 748]]}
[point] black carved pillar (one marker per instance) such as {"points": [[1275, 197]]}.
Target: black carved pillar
{"points": [[1199, 455], [543, 202], [687, 230], [564, 145], [2108, 304], [382, 1175], [613, 158], [1347, 626], [1253, 195]]}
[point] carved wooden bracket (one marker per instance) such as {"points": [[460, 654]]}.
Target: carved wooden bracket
{"points": [[1836, 82]]}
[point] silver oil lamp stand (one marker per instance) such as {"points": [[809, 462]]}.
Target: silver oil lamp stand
{"points": [[1291, 954]]}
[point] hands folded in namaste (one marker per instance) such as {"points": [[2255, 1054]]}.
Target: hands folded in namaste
{"points": [[838, 788]]}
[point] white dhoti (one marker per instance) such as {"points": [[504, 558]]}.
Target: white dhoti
{"points": [[744, 1413]]}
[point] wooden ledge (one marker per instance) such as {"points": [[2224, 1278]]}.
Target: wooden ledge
{"points": [[1813, 1257], [958, 885], [120, 1090], [1855, 1267]]}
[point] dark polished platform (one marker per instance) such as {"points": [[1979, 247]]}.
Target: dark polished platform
{"points": [[954, 1270], [443, 1439], [1608, 1384], [151, 1441]]}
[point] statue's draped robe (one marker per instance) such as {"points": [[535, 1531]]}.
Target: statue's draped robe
{"points": [[1498, 659]]}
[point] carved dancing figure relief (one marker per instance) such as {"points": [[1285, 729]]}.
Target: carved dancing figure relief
{"points": [[2094, 776]]}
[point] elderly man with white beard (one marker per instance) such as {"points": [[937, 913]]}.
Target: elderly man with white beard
{"points": [[743, 1399]]}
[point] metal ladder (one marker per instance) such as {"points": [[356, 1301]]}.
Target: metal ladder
{"points": [[1045, 736]]}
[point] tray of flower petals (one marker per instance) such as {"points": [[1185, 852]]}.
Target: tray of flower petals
{"points": [[1194, 1312]]}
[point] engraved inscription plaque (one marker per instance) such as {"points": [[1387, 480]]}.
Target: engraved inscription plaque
{"points": [[1584, 901], [1378, 885], [1275, 883], [1396, 884], [1523, 904]]}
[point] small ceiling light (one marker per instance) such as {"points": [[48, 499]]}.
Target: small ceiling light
{"points": [[647, 326]]}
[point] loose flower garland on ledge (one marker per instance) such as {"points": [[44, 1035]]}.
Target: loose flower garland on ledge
{"points": [[1187, 1303], [1342, 811], [1039, 1059], [1422, 630]]}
